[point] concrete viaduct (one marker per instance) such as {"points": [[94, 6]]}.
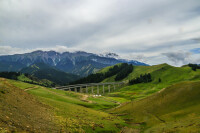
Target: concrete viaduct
{"points": [[85, 87]]}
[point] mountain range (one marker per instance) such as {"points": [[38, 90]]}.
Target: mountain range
{"points": [[79, 63]]}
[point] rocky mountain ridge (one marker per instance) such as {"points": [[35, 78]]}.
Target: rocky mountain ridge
{"points": [[80, 63]]}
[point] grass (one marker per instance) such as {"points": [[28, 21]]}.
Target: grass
{"points": [[21, 84], [171, 105], [78, 116], [43, 82], [174, 109], [22, 77], [21, 112], [70, 112], [169, 75]]}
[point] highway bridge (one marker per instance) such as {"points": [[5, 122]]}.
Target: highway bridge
{"points": [[93, 88]]}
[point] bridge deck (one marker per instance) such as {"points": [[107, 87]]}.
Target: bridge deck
{"points": [[88, 85]]}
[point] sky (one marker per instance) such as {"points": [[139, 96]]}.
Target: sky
{"points": [[151, 31]]}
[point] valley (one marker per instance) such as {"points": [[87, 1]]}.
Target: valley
{"points": [[169, 102], [99, 66]]}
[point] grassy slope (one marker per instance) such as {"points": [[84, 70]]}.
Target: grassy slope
{"points": [[174, 109], [43, 82], [168, 74], [43, 71], [73, 113], [20, 111]]}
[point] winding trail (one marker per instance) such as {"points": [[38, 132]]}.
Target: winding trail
{"points": [[30, 88], [85, 98]]}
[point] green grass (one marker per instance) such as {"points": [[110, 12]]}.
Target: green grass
{"points": [[98, 103], [76, 115], [22, 77], [175, 109], [172, 105], [22, 112], [169, 75], [21, 84], [104, 70]]}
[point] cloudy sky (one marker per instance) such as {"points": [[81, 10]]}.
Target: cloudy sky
{"points": [[152, 31]]}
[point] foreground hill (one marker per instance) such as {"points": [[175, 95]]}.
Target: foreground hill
{"points": [[79, 63], [43, 71], [31, 108], [173, 109], [20, 111]]}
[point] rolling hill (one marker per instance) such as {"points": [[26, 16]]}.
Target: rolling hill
{"points": [[22, 112], [43, 71], [173, 109], [169, 75], [27, 78], [171, 104], [31, 108]]}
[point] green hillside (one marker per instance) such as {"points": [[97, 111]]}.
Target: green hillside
{"points": [[22, 112], [174, 109], [163, 71], [169, 102], [69, 111], [43, 71], [120, 71], [169, 75], [27, 78]]}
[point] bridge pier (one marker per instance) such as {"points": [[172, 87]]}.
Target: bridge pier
{"points": [[97, 89], [91, 87], [81, 91], [103, 89], [86, 89]]}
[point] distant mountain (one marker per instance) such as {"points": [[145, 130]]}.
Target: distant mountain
{"points": [[43, 71], [79, 63]]}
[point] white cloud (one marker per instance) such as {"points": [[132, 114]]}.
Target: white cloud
{"points": [[135, 29], [7, 50]]}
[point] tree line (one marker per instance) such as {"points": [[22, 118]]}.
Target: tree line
{"points": [[34, 80], [40, 84], [141, 79], [122, 71], [194, 66], [10, 75]]}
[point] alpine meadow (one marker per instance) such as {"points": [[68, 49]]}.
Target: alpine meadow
{"points": [[97, 66]]}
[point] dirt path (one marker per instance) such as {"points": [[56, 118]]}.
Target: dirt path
{"points": [[85, 98], [129, 130], [30, 88], [161, 90]]}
